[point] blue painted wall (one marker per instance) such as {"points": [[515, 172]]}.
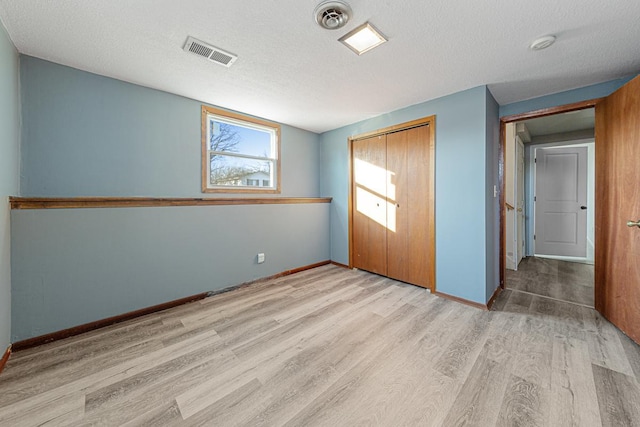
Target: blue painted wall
{"points": [[89, 135], [462, 120], [9, 171], [73, 266]]}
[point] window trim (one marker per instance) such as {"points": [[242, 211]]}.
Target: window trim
{"points": [[251, 122]]}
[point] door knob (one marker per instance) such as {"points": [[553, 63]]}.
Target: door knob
{"points": [[519, 209], [633, 224], [583, 207]]}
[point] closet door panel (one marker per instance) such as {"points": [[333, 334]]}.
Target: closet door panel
{"points": [[369, 204], [420, 219], [398, 226]]}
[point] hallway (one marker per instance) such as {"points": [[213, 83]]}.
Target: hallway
{"points": [[561, 280]]}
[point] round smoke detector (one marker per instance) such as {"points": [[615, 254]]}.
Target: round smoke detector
{"points": [[332, 14]]}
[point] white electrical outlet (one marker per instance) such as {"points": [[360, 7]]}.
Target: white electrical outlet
{"points": [[260, 258]]}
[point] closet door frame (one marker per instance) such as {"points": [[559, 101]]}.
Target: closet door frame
{"points": [[431, 122]]}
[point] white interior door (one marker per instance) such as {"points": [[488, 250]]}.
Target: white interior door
{"points": [[560, 202], [519, 201]]}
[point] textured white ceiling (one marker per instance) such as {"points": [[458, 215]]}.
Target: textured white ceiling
{"points": [[560, 123], [292, 71]]}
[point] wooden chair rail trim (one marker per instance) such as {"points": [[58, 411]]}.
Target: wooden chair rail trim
{"points": [[102, 323], [133, 202]]}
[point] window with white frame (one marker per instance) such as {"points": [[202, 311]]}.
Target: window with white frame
{"points": [[239, 152]]}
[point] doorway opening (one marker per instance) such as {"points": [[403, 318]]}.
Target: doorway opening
{"points": [[548, 203]]}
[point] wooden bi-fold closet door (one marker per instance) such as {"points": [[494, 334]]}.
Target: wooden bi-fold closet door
{"points": [[392, 204], [370, 211]]}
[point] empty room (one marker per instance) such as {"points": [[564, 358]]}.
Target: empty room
{"points": [[322, 213]]}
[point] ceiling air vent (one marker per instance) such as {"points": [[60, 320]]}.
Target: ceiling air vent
{"points": [[332, 15], [210, 52]]}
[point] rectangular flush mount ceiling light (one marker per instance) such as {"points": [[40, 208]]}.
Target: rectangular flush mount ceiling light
{"points": [[363, 39]]}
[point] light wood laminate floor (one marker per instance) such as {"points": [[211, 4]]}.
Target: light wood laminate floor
{"points": [[334, 347], [561, 280]]}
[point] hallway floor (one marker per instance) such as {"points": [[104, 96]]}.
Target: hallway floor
{"points": [[560, 280]]}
